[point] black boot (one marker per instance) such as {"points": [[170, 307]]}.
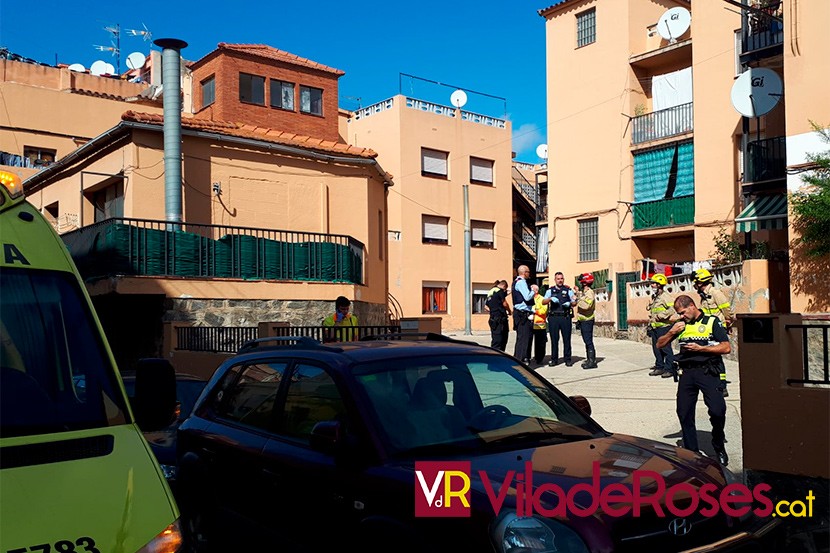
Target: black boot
{"points": [[591, 362]]}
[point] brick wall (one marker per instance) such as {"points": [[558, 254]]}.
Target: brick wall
{"points": [[227, 66]]}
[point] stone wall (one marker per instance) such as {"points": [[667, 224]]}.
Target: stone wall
{"points": [[221, 312]]}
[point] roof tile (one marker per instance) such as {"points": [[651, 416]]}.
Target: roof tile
{"points": [[265, 51], [257, 133]]}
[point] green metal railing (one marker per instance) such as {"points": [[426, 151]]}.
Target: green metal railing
{"points": [[124, 246], [664, 213]]}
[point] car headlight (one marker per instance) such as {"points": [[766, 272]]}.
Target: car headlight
{"points": [[168, 540], [514, 534]]}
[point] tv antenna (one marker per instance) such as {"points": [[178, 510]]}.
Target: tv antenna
{"points": [[458, 98], [673, 23], [542, 151], [143, 33], [115, 44]]}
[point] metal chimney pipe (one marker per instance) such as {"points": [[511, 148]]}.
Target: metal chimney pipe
{"points": [[171, 82]]}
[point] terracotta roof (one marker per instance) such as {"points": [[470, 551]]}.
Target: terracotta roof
{"points": [[97, 94], [256, 133], [265, 51]]}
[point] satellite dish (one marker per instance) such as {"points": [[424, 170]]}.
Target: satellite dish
{"points": [[458, 98], [673, 23], [110, 69], [77, 67], [98, 67], [756, 92], [542, 151], [136, 60]]}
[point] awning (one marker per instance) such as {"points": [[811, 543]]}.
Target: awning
{"points": [[764, 213]]}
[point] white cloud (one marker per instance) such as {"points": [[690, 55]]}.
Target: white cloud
{"points": [[525, 140]]}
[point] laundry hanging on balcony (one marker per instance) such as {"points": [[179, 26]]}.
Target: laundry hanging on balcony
{"points": [[763, 213]]}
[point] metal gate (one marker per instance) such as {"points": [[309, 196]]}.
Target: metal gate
{"points": [[622, 300]]}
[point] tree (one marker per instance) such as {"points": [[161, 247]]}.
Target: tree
{"points": [[811, 204]]}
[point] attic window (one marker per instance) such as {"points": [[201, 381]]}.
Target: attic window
{"points": [[208, 91], [251, 89]]}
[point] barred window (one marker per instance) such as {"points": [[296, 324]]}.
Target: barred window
{"points": [[589, 239], [586, 27]]}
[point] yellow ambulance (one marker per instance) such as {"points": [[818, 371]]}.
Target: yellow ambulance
{"points": [[76, 474]]}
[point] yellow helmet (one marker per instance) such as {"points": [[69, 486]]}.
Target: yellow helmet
{"points": [[660, 279], [703, 276]]}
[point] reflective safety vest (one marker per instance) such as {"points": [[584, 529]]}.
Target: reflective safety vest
{"points": [[345, 335], [540, 313], [659, 310], [713, 302], [698, 332], [585, 306]]}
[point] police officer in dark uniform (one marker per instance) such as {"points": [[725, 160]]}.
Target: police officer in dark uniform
{"points": [[559, 299], [703, 340], [523, 305]]}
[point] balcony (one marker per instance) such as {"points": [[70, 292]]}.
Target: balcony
{"points": [[525, 236], [762, 31], [662, 124], [122, 246], [664, 213], [525, 188], [765, 161]]}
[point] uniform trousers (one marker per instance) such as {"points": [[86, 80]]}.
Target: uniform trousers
{"points": [[499, 327], [559, 324], [524, 330], [691, 381], [663, 357]]}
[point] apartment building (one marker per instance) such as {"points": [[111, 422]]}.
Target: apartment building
{"points": [[435, 152], [279, 216], [653, 161]]}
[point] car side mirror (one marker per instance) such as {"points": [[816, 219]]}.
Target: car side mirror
{"points": [[325, 436], [154, 404], [582, 403]]}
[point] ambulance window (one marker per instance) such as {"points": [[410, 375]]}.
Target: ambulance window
{"points": [[55, 375]]}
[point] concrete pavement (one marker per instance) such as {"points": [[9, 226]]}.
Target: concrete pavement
{"points": [[625, 400]]}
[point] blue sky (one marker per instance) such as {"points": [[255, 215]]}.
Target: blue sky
{"points": [[495, 47]]}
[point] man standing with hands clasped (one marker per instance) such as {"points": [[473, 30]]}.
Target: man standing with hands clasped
{"points": [[703, 341], [523, 312]]}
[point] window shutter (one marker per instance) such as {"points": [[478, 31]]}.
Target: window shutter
{"points": [[482, 231], [481, 170], [435, 228], [434, 162]]}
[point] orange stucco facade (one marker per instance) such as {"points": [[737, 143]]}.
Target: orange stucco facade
{"points": [[603, 119], [399, 129]]}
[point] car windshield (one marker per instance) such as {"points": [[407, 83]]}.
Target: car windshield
{"points": [[187, 392], [453, 403], [55, 374]]}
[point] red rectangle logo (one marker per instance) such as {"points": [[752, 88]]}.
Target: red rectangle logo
{"points": [[442, 489]]}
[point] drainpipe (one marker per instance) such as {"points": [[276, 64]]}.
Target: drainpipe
{"points": [[171, 81]]}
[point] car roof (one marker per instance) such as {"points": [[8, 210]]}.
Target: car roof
{"points": [[364, 350]]}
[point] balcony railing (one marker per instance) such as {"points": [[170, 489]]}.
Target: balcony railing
{"points": [[766, 160], [122, 246], [664, 213], [760, 30], [524, 187], [526, 236], [662, 124]]}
